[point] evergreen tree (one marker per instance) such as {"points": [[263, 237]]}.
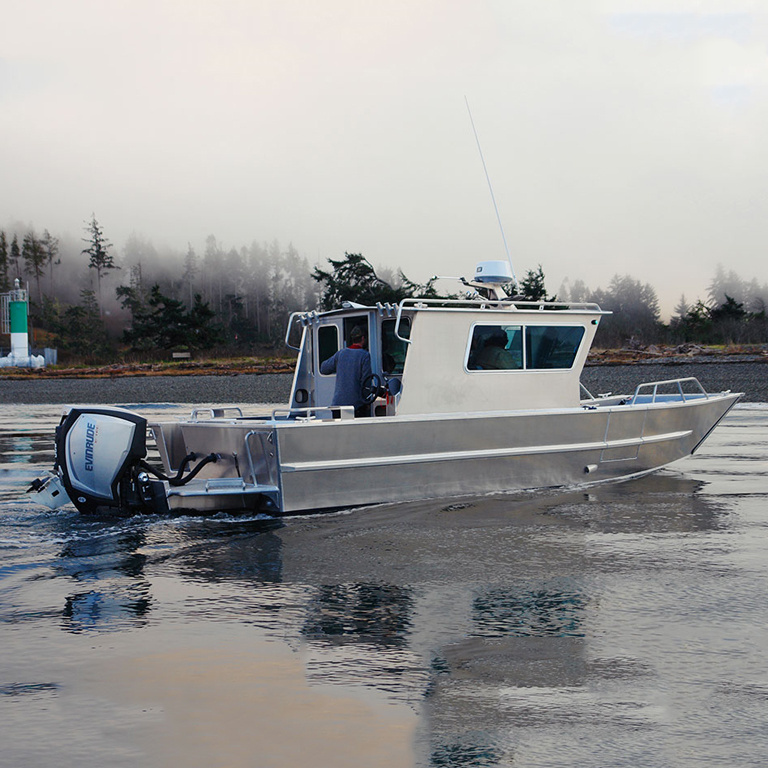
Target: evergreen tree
{"points": [[576, 291], [635, 309], [213, 287], [272, 303], [258, 285], [532, 287], [99, 257], [681, 310], [15, 260], [51, 247], [755, 296], [235, 287], [190, 270], [162, 322], [725, 284], [34, 256], [5, 283], [204, 331], [730, 309], [579, 291], [695, 324], [240, 330], [730, 321], [80, 329], [677, 322], [353, 279], [132, 296]]}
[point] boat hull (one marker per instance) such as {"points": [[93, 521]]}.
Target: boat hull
{"points": [[406, 459], [297, 465]]}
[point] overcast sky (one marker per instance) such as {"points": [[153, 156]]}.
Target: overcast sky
{"points": [[620, 137]]}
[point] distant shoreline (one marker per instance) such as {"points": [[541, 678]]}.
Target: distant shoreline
{"points": [[684, 354], [750, 377]]}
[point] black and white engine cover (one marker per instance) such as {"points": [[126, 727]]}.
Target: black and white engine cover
{"points": [[96, 448]]}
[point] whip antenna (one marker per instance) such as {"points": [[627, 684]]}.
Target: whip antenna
{"points": [[493, 197]]}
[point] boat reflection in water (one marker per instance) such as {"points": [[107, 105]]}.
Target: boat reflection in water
{"points": [[112, 592], [480, 617]]}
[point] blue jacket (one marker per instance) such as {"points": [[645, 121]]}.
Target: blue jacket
{"points": [[351, 365]]}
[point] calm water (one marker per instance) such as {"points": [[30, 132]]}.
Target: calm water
{"points": [[623, 626]]}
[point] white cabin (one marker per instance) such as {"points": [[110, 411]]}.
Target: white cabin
{"points": [[442, 356]]}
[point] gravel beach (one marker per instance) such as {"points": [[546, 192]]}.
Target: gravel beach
{"points": [[127, 390], [748, 377], [751, 378]]}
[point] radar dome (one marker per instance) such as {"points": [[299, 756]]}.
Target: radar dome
{"points": [[493, 272]]}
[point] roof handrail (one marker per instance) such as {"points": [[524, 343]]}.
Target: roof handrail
{"points": [[503, 304], [508, 304]]}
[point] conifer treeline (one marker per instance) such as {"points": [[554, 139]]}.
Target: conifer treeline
{"points": [[733, 312], [95, 303], [90, 300]]}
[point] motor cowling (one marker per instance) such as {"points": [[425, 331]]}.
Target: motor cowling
{"points": [[98, 451]]}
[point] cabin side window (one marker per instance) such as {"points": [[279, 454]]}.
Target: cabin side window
{"points": [[394, 349], [496, 348], [327, 342], [515, 347], [551, 346]]}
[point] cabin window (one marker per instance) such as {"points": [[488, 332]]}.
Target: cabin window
{"points": [[394, 350], [500, 347], [327, 342], [551, 346], [496, 348]]}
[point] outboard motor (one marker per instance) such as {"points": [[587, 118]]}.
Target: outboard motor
{"points": [[98, 453]]}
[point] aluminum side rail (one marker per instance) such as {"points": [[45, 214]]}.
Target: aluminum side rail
{"points": [[656, 396]]}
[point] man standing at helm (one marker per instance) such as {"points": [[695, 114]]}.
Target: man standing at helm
{"points": [[352, 367]]}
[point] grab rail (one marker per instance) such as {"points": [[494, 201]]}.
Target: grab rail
{"points": [[216, 413], [397, 324], [669, 382], [264, 438], [305, 318], [345, 412]]}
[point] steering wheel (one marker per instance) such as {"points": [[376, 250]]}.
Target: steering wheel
{"points": [[370, 387]]}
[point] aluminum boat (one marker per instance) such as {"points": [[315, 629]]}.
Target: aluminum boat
{"points": [[468, 396]]}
